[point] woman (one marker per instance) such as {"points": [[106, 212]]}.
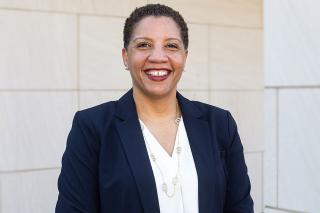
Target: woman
{"points": [[153, 150]]}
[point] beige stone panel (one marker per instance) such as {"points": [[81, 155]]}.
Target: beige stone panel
{"points": [[37, 50], [29, 192], [202, 96], [196, 75], [270, 147], [109, 7], [101, 65], [292, 46], [34, 128], [255, 164], [236, 58], [247, 109], [93, 98], [223, 12], [298, 149], [103, 7]]}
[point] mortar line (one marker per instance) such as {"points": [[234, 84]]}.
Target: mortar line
{"points": [[253, 152], [262, 180], [29, 170], [285, 209], [78, 61], [209, 66], [294, 87], [277, 146]]}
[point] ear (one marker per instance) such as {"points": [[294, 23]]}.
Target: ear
{"points": [[125, 57], [185, 55], [186, 52]]}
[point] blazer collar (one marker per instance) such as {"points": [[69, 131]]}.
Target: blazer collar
{"points": [[198, 132]]}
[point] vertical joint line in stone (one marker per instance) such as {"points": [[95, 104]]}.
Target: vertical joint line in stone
{"points": [[262, 180], [277, 146], [262, 14], [209, 66], [78, 61], [0, 195]]}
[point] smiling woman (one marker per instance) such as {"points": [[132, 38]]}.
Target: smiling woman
{"points": [[154, 150], [155, 57]]}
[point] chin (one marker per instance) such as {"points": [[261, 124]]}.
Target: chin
{"points": [[155, 91], [162, 93]]}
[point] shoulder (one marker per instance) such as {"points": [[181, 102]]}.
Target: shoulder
{"points": [[213, 113], [95, 119], [220, 120], [207, 108], [98, 112]]}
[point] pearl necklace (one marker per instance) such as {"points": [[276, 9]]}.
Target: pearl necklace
{"points": [[178, 149]]}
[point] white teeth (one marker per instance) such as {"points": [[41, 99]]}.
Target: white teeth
{"points": [[157, 73]]}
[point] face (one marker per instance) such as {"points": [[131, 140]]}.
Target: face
{"points": [[155, 56]]}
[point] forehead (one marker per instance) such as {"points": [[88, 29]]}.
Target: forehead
{"points": [[156, 26]]}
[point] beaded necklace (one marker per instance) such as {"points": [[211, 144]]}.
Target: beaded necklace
{"points": [[178, 149]]}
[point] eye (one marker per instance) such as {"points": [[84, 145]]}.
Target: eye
{"points": [[172, 46], [143, 45]]}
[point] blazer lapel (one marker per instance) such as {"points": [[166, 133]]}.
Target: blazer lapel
{"points": [[133, 143], [198, 132]]}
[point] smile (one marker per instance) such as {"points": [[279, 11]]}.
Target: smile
{"points": [[158, 74]]}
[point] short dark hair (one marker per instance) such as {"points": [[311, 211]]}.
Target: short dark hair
{"points": [[154, 10]]}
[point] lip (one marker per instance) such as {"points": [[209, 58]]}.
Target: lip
{"points": [[157, 78]]}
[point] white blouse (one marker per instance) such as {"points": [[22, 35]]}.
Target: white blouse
{"points": [[185, 199]]}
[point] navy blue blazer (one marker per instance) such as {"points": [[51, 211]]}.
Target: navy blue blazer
{"points": [[106, 168]]}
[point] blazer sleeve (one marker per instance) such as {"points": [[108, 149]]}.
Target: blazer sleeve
{"points": [[238, 199], [78, 180]]}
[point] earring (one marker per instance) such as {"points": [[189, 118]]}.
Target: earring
{"points": [[126, 68]]}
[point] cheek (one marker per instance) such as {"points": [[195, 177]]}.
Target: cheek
{"points": [[137, 60], [178, 61]]}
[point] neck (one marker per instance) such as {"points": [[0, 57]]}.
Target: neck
{"points": [[160, 108]]}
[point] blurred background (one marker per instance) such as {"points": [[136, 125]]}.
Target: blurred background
{"points": [[258, 59]]}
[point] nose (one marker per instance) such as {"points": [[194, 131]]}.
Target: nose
{"points": [[158, 55]]}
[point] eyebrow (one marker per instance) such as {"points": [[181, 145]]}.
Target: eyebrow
{"points": [[146, 38]]}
